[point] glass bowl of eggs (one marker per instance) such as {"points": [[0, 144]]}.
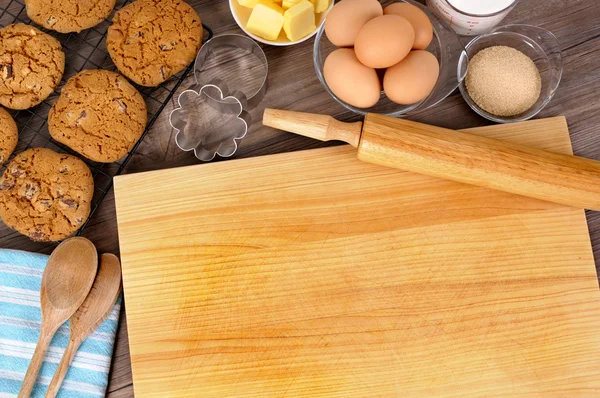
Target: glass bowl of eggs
{"points": [[388, 57]]}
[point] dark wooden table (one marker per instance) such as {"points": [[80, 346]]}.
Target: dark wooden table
{"points": [[294, 85]]}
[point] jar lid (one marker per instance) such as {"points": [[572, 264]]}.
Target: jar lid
{"points": [[481, 7]]}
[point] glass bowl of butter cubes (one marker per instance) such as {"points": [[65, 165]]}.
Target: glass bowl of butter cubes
{"points": [[280, 22]]}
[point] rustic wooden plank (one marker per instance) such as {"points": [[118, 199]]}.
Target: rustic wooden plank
{"points": [[573, 22]]}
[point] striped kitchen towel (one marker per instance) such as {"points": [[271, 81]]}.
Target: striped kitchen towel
{"points": [[20, 319]]}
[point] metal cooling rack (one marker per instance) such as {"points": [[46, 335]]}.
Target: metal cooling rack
{"points": [[84, 50]]}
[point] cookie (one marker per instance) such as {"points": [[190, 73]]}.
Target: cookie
{"points": [[31, 66], [151, 40], [8, 135], [98, 114], [45, 195], [68, 15]]}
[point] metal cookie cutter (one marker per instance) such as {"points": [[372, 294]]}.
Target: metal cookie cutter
{"points": [[231, 79]]}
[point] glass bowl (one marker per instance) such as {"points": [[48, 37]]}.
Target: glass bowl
{"points": [[446, 46], [535, 42]]}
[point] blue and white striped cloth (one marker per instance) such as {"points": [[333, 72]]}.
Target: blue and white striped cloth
{"points": [[20, 318]]}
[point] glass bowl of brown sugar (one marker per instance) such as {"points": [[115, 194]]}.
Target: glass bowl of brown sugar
{"points": [[513, 73]]}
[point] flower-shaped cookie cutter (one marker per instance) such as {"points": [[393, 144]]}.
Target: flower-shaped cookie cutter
{"points": [[212, 116], [208, 122]]}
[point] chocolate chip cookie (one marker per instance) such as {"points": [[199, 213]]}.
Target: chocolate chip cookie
{"points": [[151, 40], [98, 114], [8, 135], [31, 66], [68, 15], [45, 195]]}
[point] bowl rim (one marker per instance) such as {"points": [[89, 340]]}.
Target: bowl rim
{"points": [[499, 30], [275, 43]]}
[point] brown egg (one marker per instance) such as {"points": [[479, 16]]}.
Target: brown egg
{"points": [[350, 80], [417, 18], [347, 17], [384, 41], [412, 79]]}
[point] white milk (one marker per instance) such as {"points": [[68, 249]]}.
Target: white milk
{"points": [[472, 17]]}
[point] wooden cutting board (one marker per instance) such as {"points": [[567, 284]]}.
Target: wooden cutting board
{"points": [[312, 274]]}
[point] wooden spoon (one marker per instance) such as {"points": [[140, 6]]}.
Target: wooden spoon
{"points": [[94, 310], [66, 281]]}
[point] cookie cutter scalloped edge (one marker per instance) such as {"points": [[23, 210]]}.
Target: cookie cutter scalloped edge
{"points": [[220, 105]]}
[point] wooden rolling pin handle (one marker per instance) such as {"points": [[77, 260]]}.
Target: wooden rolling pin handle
{"points": [[319, 127]]}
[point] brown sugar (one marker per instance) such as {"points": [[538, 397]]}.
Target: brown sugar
{"points": [[503, 81]]}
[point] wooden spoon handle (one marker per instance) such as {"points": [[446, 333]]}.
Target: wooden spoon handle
{"points": [[319, 127], [63, 368], [36, 362]]}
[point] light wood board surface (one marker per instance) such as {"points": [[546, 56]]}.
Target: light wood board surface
{"points": [[315, 274]]}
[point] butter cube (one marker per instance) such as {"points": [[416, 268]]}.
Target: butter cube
{"points": [[248, 3], [252, 3], [289, 3], [320, 5], [266, 20], [299, 20]]}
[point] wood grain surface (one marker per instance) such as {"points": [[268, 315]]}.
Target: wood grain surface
{"points": [[314, 274], [294, 85]]}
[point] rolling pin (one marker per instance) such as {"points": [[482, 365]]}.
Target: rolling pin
{"points": [[454, 155]]}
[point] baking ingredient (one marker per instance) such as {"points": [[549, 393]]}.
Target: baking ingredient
{"points": [[503, 81], [299, 20], [266, 20], [289, 3], [320, 5], [471, 17], [346, 19], [417, 18], [350, 80], [479, 7], [248, 3], [412, 79], [295, 17], [384, 41]]}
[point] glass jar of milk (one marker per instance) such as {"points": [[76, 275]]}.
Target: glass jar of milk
{"points": [[472, 17]]}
